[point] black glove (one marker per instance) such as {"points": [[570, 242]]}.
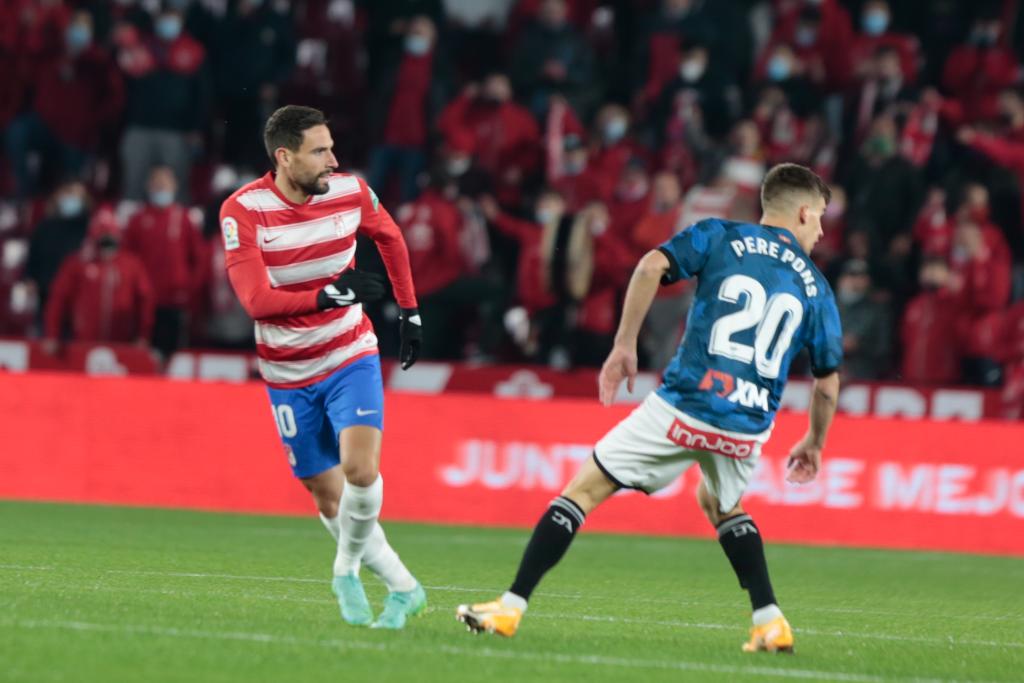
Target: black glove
{"points": [[410, 331], [352, 287]]}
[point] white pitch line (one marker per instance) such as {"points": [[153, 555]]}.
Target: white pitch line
{"points": [[568, 596], [484, 652], [669, 623], [25, 567], [949, 641]]}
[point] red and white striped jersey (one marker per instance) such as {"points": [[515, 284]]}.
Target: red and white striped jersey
{"points": [[279, 254]]}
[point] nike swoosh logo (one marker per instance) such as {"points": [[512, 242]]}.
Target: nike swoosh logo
{"points": [[362, 413], [267, 239], [346, 297]]}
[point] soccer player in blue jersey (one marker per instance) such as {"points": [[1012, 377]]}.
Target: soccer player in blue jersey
{"points": [[759, 301]]}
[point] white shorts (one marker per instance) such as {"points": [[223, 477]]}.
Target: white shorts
{"points": [[656, 443]]}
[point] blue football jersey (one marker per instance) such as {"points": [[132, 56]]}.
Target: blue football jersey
{"points": [[759, 301]]}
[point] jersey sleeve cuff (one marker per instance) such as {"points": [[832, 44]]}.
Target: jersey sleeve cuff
{"points": [[825, 372], [673, 274]]}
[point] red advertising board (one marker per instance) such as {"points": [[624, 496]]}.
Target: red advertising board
{"points": [[540, 383], [480, 460]]}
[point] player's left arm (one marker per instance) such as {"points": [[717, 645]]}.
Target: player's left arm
{"points": [[622, 361], [378, 225]]}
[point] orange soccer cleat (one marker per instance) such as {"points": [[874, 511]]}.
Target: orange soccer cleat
{"points": [[775, 636], [490, 617]]}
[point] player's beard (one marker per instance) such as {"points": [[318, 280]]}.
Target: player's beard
{"points": [[317, 185]]}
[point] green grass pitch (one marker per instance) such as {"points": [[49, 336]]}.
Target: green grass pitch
{"points": [[119, 594]]}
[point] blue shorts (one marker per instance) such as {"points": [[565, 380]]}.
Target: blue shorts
{"points": [[310, 418]]}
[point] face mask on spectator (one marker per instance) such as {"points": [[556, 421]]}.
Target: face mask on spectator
{"points": [[778, 68], [78, 37], [691, 70], [984, 37], [875, 22], [161, 198], [849, 297], [805, 36], [614, 130], [545, 216], [417, 45], [168, 27], [457, 166], [574, 167], [879, 145], [70, 205]]}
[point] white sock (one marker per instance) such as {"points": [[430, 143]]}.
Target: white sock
{"points": [[360, 506], [381, 559], [510, 599], [333, 526], [765, 614]]}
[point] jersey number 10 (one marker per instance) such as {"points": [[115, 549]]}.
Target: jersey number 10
{"points": [[777, 320]]}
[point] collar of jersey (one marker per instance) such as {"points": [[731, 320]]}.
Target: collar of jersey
{"points": [[787, 233]]}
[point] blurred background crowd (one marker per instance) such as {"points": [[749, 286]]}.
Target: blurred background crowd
{"points": [[531, 151]]}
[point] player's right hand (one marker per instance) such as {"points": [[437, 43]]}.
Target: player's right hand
{"points": [[352, 287], [620, 365], [804, 461]]}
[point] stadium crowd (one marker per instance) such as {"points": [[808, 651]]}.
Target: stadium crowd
{"points": [[531, 151]]}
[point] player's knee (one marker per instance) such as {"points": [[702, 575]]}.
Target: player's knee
{"points": [[360, 472], [327, 508]]}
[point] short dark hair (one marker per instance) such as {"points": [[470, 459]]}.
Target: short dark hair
{"points": [[785, 178], [286, 126]]}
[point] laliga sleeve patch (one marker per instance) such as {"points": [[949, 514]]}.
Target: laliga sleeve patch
{"points": [[229, 226], [373, 197]]}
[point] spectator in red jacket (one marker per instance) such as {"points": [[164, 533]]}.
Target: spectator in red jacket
{"points": [[611, 148], [168, 100], [612, 260], [567, 163], [167, 240], [820, 38], [535, 291], [77, 93], [407, 96], [101, 294], [875, 33], [978, 70], [1004, 152], [981, 265], [660, 43], [450, 294], [505, 137], [929, 331], [630, 199]]}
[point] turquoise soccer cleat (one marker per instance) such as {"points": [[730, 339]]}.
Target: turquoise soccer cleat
{"points": [[399, 606], [355, 608]]}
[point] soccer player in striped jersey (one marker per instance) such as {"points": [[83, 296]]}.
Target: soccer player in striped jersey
{"points": [[290, 243]]}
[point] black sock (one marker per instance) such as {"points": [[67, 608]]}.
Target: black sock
{"points": [[742, 544], [551, 538]]}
